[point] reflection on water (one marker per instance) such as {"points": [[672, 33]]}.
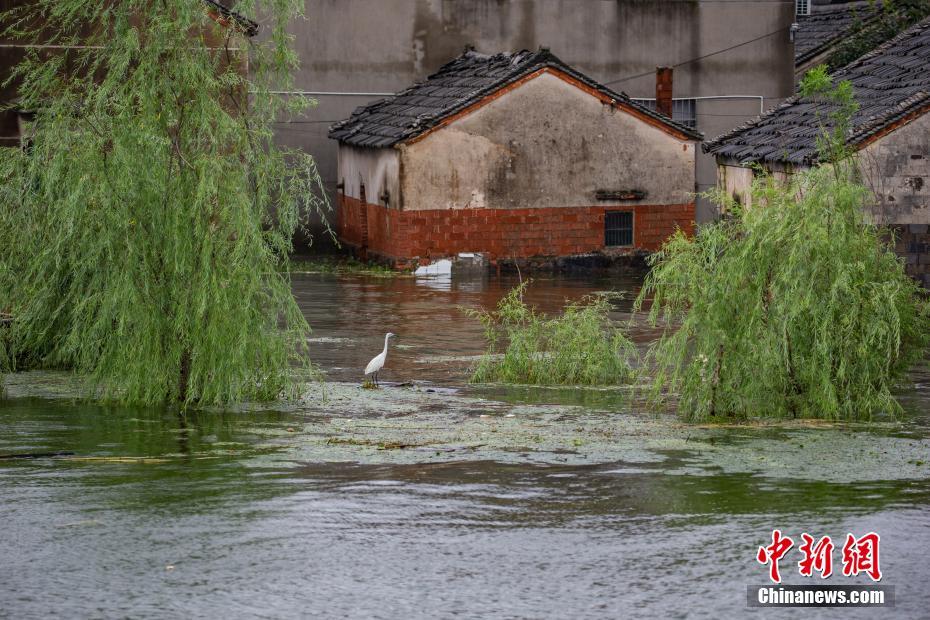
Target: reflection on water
{"points": [[168, 516]]}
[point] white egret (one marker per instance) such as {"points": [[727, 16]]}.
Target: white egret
{"points": [[377, 363]]}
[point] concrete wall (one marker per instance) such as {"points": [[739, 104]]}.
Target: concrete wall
{"points": [[737, 180], [385, 45], [896, 167], [546, 143]]}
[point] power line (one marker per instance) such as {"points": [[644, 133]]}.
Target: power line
{"points": [[630, 77], [687, 62]]}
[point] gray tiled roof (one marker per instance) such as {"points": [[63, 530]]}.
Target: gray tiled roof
{"points": [[829, 25], [457, 85], [889, 83]]}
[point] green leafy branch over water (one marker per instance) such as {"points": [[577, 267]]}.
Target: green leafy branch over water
{"points": [[794, 307], [794, 304], [340, 265], [146, 220], [579, 347]]}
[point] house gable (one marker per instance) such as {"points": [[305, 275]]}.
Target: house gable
{"points": [[546, 141], [896, 168], [601, 96]]}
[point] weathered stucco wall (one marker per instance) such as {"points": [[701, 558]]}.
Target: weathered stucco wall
{"points": [[736, 181], [546, 143], [896, 167]]}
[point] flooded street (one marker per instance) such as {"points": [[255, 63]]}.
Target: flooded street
{"points": [[436, 342], [438, 499]]}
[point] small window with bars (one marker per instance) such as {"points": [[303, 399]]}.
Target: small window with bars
{"points": [[618, 228], [683, 110], [802, 7]]}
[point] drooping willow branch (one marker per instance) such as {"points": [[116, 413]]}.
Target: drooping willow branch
{"points": [[150, 219]]}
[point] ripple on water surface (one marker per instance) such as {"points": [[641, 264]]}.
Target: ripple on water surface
{"points": [[466, 501]]}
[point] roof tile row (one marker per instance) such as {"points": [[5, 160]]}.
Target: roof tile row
{"points": [[889, 83]]}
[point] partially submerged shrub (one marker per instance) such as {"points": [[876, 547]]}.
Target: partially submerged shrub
{"points": [[794, 307], [580, 347]]}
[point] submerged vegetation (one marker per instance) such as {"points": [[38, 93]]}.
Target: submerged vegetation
{"points": [[580, 347], [147, 219], [341, 266]]}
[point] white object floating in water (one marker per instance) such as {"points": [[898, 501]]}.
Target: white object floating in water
{"points": [[439, 268]]}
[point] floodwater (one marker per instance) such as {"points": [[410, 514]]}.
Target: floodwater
{"points": [[221, 514]]}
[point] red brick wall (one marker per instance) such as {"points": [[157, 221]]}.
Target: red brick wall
{"points": [[504, 233]]}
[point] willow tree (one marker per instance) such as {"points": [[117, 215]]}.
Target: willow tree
{"points": [[147, 220], [794, 307]]}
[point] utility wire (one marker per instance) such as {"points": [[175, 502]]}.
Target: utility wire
{"points": [[629, 77], [687, 62]]}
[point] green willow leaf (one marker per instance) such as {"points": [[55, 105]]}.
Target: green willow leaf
{"points": [[794, 307], [578, 347], [147, 223]]}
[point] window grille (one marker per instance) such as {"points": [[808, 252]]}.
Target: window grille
{"points": [[683, 110], [618, 228]]}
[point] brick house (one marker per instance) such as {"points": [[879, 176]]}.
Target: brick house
{"points": [[516, 155], [890, 135]]}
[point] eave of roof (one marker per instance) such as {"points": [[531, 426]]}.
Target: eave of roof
{"points": [[896, 70]]}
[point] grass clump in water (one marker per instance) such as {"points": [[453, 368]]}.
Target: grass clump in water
{"points": [[341, 266], [580, 347]]}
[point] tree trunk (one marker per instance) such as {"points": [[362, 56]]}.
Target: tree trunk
{"points": [[184, 377]]}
